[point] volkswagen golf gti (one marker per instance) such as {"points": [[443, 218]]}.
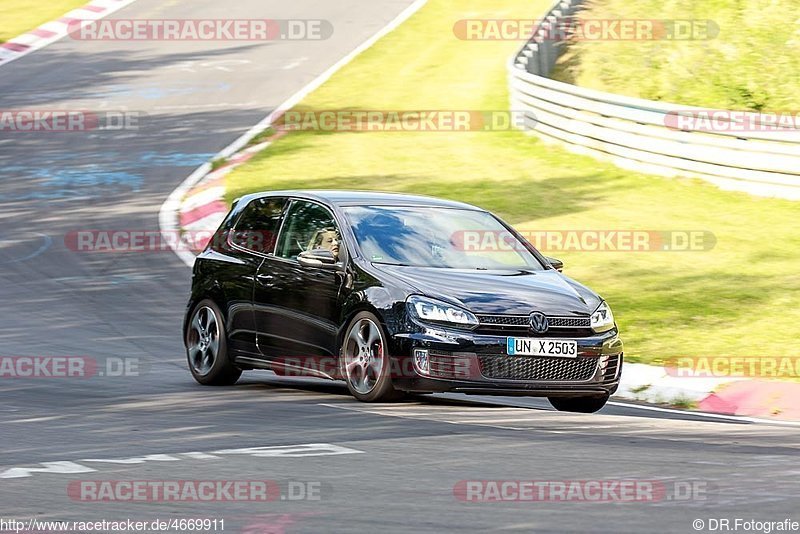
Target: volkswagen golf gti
{"points": [[395, 294]]}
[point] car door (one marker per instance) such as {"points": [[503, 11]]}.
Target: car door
{"points": [[297, 308], [252, 237]]}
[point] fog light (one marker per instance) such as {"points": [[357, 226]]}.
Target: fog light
{"points": [[421, 360]]}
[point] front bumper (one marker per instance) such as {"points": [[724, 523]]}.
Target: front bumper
{"points": [[466, 362]]}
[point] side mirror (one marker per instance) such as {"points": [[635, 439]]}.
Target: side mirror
{"points": [[556, 264], [319, 257]]}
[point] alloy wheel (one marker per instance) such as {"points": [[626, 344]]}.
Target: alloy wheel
{"points": [[363, 355], [203, 340]]}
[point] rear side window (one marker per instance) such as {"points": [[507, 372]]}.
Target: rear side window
{"points": [[308, 226], [257, 227]]}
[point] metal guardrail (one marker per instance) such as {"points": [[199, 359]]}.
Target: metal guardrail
{"points": [[645, 135]]}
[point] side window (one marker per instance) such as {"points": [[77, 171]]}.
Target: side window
{"points": [[257, 227], [308, 226]]}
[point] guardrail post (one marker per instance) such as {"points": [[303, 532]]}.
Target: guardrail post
{"points": [[533, 59]]}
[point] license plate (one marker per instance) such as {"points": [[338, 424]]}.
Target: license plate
{"points": [[529, 346]]}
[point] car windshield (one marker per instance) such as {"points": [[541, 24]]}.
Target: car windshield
{"points": [[437, 237]]}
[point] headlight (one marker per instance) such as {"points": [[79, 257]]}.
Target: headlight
{"points": [[436, 311], [602, 319]]}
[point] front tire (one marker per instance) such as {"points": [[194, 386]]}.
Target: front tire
{"points": [[578, 404], [207, 347], [366, 365]]}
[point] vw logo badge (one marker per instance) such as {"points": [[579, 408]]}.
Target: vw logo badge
{"points": [[539, 323]]}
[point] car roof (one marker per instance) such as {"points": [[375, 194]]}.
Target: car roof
{"points": [[363, 198]]}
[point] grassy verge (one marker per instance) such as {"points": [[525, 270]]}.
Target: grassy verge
{"points": [[753, 63], [20, 16], [740, 298]]}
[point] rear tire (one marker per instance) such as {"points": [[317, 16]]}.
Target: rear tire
{"points": [[365, 363], [578, 404], [207, 347]]}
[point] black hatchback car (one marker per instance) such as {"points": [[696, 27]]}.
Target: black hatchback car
{"points": [[395, 293]]}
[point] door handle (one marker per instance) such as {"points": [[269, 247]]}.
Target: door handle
{"points": [[265, 279]]}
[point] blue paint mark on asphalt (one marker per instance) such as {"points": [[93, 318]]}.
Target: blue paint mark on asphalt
{"points": [[96, 179], [127, 91], [88, 181], [112, 174], [91, 176], [175, 159], [119, 161], [157, 92]]}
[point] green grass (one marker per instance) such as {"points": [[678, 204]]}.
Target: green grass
{"points": [[20, 16], [683, 403], [740, 298], [754, 62]]}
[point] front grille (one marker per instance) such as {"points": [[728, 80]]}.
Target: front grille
{"points": [[533, 368], [510, 320], [518, 325], [452, 365], [569, 322], [524, 321]]}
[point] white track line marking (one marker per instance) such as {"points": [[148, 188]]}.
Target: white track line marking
{"points": [[36, 419], [199, 456], [295, 64], [272, 451]]}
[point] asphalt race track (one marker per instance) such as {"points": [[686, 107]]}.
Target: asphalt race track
{"points": [[372, 468]]}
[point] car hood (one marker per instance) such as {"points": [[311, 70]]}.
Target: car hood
{"points": [[509, 292]]}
